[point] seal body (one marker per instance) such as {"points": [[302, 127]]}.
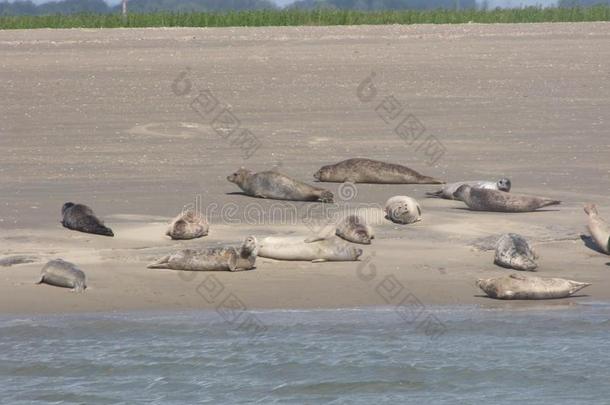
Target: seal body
{"points": [[79, 217], [513, 252], [277, 186], [353, 228], [401, 209], [61, 273], [520, 287], [599, 229], [188, 225], [212, 259], [361, 170], [447, 191], [480, 199], [301, 249]]}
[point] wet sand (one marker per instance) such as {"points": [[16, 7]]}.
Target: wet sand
{"points": [[105, 118]]}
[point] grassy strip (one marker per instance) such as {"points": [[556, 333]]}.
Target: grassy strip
{"points": [[313, 17]]}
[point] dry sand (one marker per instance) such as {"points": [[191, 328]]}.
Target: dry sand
{"points": [[90, 116]]}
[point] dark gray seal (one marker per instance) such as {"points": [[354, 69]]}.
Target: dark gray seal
{"points": [[60, 273], [212, 259], [480, 199], [513, 252], [447, 191], [79, 217], [277, 186], [359, 170], [521, 287]]}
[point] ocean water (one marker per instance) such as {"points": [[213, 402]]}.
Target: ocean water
{"points": [[359, 356]]}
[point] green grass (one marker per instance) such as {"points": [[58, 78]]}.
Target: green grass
{"points": [[314, 17]]}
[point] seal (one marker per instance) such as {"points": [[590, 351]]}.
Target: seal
{"points": [[212, 259], [447, 191], [18, 259], [513, 252], [79, 217], [599, 229], [520, 287], [188, 225], [353, 228], [316, 249], [61, 273], [480, 199], [359, 170], [401, 209], [274, 185]]}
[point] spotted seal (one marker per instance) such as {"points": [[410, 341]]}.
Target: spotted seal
{"points": [[277, 186], [447, 191], [353, 228], [300, 248], [61, 273], [359, 170], [599, 229], [513, 252], [401, 209], [188, 225], [480, 199], [212, 259], [521, 287]]}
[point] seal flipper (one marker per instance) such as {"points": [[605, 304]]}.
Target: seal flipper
{"points": [[40, 280], [103, 230], [435, 194], [326, 196], [547, 203], [325, 233], [160, 264]]}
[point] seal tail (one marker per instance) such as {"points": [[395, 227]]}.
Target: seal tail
{"points": [[159, 264], [435, 194], [430, 180], [326, 196], [103, 230], [577, 286], [546, 203], [591, 208]]}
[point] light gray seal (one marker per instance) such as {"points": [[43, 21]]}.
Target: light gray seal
{"points": [[316, 249], [188, 225], [480, 199], [359, 170], [274, 185], [447, 191], [60, 273], [402, 209], [521, 287], [513, 252], [212, 259], [599, 229], [79, 217], [353, 228]]}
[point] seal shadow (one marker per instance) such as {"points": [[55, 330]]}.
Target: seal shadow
{"points": [[590, 243], [502, 212], [545, 299]]}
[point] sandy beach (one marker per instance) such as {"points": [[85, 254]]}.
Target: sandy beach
{"points": [[106, 118]]}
